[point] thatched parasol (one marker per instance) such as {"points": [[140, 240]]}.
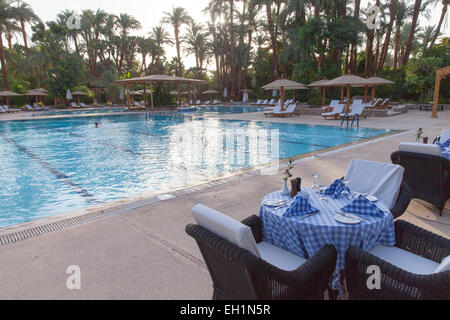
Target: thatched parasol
{"points": [[7, 94], [158, 78], [211, 93], [376, 81], [78, 94], [320, 84], [347, 81], [36, 93], [284, 84]]}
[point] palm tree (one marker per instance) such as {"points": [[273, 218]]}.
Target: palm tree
{"points": [[126, 23], [193, 40], [384, 50], [160, 37], [177, 18], [144, 47], [8, 13], [27, 15], [416, 12], [403, 12], [445, 4]]}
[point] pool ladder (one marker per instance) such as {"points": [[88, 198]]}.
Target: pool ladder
{"points": [[347, 116]]}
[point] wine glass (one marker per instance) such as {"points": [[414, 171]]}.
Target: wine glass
{"points": [[315, 186], [345, 193]]}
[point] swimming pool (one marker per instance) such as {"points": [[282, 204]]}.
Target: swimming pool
{"points": [[81, 111], [218, 110], [202, 111], [53, 166]]}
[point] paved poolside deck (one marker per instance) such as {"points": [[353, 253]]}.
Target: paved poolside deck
{"points": [[144, 253]]}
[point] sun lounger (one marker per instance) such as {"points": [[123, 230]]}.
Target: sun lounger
{"points": [[373, 105], [257, 102], [83, 105], [272, 102], [207, 102], [216, 102], [337, 110], [384, 104], [356, 110], [290, 111], [271, 111], [2, 110], [11, 110], [198, 102]]}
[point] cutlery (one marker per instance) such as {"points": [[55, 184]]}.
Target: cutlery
{"points": [[351, 216], [309, 215]]}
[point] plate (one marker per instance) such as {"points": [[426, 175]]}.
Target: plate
{"points": [[346, 220], [372, 198], [274, 203]]}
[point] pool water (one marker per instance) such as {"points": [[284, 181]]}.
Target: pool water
{"points": [[53, 166], [218, 110], [81, 111]]}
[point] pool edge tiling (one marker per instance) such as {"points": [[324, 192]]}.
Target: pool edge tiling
{"points": [[72, 180]]}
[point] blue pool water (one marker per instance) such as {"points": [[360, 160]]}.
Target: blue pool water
{"points": [[81, 111], [218, 110], [50, 167]]}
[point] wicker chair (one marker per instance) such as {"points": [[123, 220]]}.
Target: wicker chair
{"points": [[239, 275], [403, 201], [427, 176], [397, 284]]}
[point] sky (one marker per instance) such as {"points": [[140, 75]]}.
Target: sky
{"points": [[150, 12]]}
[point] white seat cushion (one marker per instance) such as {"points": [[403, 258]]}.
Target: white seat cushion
{"points": [[377, 179], [405, 260], [445, 136], [226, 227], [429, 149], [444, 266], [279, 258]]}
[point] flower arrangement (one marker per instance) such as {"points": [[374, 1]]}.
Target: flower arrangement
{"points": [[419, 135], [288, 174]]}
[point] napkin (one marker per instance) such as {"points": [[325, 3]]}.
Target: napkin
{"points": [[445, 144], [300, 207], [336, 189], [365, 207]]}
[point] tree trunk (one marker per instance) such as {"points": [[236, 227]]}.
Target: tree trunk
{"points": [[354, 52], [9, 38], [408, 49], [397, 47], [177, 41], [24, 33], [369, 52], [387, 39], [273, 39], [3, 62], [439, 26]]}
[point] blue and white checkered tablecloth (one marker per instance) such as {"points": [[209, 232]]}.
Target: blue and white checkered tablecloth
{"points": [[306, 237]]}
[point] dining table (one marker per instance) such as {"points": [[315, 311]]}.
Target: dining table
{"points": [[306, 235]]}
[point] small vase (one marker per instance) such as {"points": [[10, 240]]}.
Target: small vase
{"points": [[285, 191]]}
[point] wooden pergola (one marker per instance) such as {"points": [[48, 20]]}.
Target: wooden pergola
{"points": [[159, 79], [440, 74]]}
